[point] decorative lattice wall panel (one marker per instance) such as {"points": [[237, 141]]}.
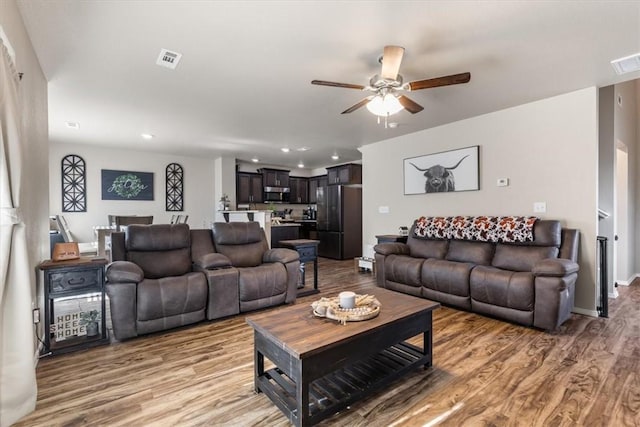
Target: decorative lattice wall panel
{"points": [[175, 188], [74, 184]]}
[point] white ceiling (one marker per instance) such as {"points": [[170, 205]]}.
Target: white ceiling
{"points": [[242, 88]]}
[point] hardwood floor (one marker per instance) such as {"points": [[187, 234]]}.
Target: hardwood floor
{"points": [[486, 372]]}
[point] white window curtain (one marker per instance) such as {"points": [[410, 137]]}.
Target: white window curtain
{"points": [[18, 389]]}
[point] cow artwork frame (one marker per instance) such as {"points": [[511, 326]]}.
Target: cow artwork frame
{"points": [[443, 172]]}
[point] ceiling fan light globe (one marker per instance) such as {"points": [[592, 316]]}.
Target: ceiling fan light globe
{"points": [[385, 106]]}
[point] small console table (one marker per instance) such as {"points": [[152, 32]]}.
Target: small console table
{"points": [[73, 289], [308, 251]]}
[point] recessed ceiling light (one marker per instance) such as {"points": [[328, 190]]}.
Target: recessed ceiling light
{"points": [[255, 160], [300, 165], [285, 149], [73, 125], [628, 64], [335, 157], [303, 149], [146, 135]]}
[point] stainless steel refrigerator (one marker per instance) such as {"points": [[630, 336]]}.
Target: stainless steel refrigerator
{"points": [[339, 221]]}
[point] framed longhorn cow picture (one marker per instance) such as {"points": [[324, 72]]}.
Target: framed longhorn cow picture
{"points": [[448, 171]]}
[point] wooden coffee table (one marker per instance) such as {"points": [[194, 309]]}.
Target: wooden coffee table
{"points": [[322, 367]]}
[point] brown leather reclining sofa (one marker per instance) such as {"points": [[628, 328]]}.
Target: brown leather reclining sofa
{"points": [[529, 283], [165, 276]]}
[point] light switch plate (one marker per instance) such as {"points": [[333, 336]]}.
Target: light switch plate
{"points": [[502, 182], [383, 209], [540, 207]]}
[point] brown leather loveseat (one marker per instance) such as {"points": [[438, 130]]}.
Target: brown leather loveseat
{"points": [[528, 282], [165, 276]]}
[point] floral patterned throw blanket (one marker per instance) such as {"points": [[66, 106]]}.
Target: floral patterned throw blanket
{"points": [[508, 229]]}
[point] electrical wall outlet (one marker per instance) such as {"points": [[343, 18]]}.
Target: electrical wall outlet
{"points": [[36, 315], [502, 182]]}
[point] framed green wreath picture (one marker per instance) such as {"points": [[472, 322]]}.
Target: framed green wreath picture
{"points": [[126, 185]]}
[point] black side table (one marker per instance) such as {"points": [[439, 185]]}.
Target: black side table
{"points": [[71, 290], [308, 251]]}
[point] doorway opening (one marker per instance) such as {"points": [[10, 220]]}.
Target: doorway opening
{"points": [[621, 216]]}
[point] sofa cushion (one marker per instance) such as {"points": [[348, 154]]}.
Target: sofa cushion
{"points": [[171, 296], [424, 248], [243, 243], [403, 269], [503, 288], [547, 232], [158, 264], [161, 250], [263, 281], [478, 253], [157, 237], [446, 276], [236, 233], [521, 258]]}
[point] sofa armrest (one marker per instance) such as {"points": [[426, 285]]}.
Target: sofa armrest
{"points": [[554, 267], [212, 261], [123, 301], [392, 248], [124, 272], [282, 255]]}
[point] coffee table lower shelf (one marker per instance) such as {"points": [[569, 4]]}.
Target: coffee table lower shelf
{"points": [[337, 390]]}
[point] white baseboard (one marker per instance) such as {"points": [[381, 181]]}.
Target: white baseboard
{"points": [[613, 294], [592, 313], [628, 282]]}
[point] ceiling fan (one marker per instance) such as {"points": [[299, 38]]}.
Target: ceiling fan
{"points": [[386, 99]]}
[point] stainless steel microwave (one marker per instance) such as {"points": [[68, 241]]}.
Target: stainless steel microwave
{"points": [[276, 194]]}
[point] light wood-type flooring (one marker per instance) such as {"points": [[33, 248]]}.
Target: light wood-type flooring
{"points": [[486, 372]]}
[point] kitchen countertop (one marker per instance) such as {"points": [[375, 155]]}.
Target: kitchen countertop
{"points": [[287, 224]]}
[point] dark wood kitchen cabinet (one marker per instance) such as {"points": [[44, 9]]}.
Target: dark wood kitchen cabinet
{"points": [[348, 174], [249, 187], [275, 177], [314, 183], [299, 190]]}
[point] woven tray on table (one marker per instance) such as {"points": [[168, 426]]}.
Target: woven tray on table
{"points": [[367, 307]]}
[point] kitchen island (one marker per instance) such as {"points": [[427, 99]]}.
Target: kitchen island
{"points": [[284, 231]]}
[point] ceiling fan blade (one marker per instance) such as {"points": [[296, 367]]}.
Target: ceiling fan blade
{"points": [[410, 105], [391, 59], [334, 84], [358, 105], [453, 79]]}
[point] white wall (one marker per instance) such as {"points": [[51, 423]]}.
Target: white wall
{"points": [[198, 187], [547, 149]]}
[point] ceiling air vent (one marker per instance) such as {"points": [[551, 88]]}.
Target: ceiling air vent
{"points": [[628, 64], [168, 59]]}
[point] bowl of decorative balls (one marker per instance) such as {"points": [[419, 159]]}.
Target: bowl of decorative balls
{"points": [[366, 307]]}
